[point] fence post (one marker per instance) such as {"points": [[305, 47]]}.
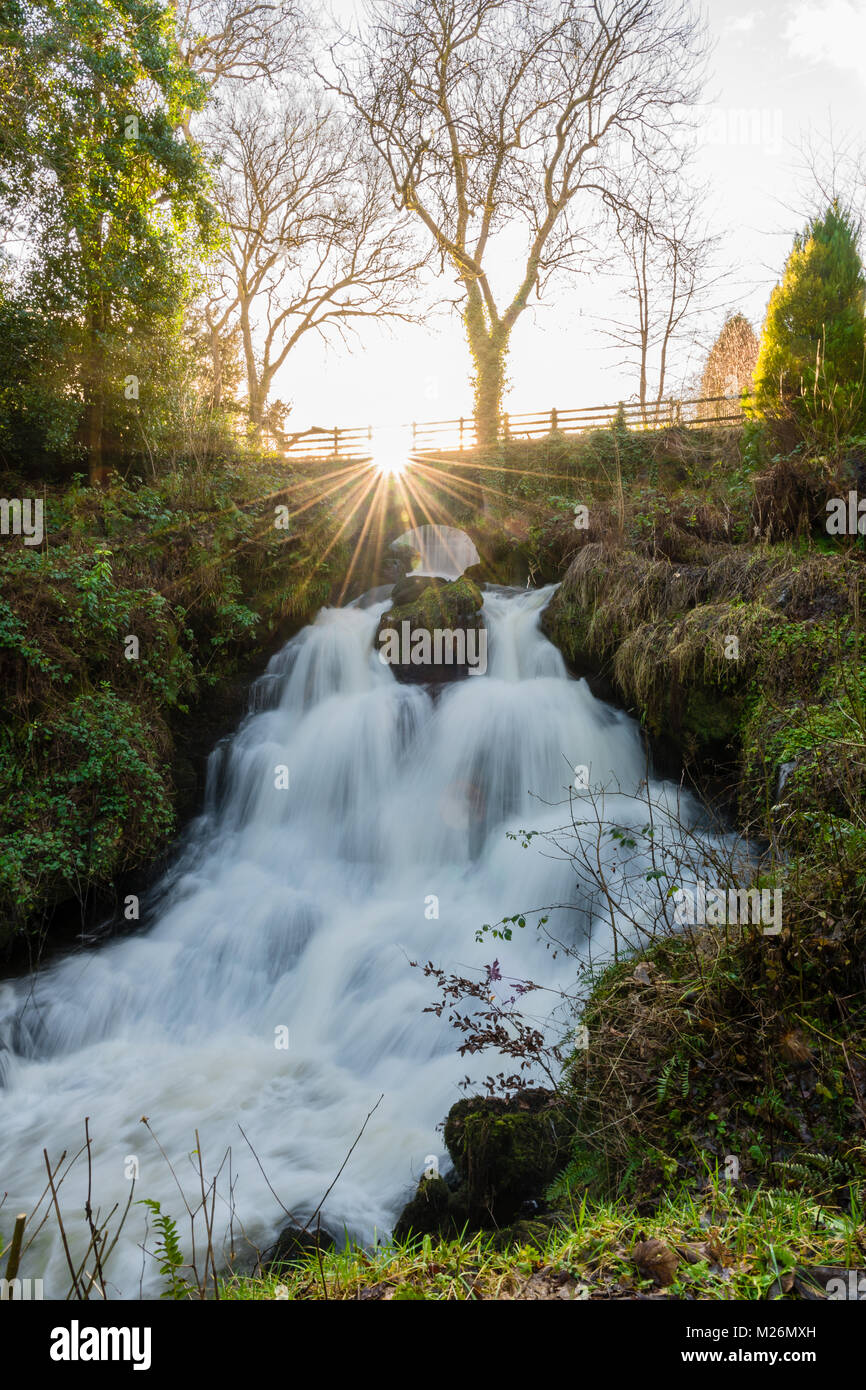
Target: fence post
{"points": [[336, 442], [505, 426], [414, 436], [554, 419], [461, 434]]}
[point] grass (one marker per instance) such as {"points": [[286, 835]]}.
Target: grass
{"points": [[722, 1243]]}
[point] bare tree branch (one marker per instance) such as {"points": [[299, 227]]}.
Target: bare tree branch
{"points": [[313, 241], [503, 118]]}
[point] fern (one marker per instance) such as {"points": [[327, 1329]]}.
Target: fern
{"points": [[674, 1076], [836, 1169], [586, 1170], [168, 1251]]}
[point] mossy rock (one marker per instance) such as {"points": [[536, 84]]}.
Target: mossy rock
{"points": [[294, 1244], [566, 625], [506, 1152], [427, 605], [430, 602], [434, 1211], [409, 589], [534, 1231]]}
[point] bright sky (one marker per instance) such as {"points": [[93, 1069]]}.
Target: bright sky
{"points": [[779, 70]]}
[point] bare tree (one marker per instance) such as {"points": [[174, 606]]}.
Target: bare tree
{"points": [[314, 244], [516, 116], [667, 252], [830, 167], [730, 366], [238, 42]]}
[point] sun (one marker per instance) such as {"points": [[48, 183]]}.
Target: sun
{"points": [[391, 465], [391, 449]]}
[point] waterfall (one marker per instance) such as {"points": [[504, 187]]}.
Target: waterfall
{"points": [[440, 550], [299, 908]]}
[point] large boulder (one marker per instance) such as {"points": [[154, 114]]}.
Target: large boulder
{"points": [[433, 630], [507, 1152]]}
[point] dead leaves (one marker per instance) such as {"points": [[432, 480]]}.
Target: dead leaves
{"points": [[819, 1283], [656, 1261]]}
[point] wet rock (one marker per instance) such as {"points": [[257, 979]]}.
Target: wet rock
{"points": [[434, 1210], [507, 1152], [294, 1244], [505, 1155], [410, 588]]}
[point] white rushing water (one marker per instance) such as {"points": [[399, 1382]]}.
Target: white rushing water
{"points": [[440, 550], [301, 908]]}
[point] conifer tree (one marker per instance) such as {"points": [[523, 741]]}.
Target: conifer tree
{"points": [[811, 371]]}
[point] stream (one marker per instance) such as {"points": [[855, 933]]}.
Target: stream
{"points": [[269, 985]]}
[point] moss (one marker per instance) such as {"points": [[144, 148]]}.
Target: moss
{"points": [[434, 1210], [662, 633], [505, 1154], [740, 1048], [453, 605]]}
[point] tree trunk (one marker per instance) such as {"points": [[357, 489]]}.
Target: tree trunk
{"points": [[489, 351], [257, 385], [256, 397], [216, 350], [94, 421]]}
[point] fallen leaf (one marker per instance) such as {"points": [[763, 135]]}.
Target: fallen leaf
{"points": [[781, 1286], [655, 1261], [794, 1047]]}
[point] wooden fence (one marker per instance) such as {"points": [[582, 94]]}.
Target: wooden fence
{"points": [[455, 436]]}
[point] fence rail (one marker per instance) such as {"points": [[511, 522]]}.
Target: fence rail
{"points": [[455, 436]]}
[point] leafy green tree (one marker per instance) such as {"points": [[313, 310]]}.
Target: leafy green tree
{"points": [[114, 197], [811, 370]]}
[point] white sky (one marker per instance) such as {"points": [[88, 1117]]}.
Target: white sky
{"points": [[796, 66]]}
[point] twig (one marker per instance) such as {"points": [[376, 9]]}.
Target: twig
{"points": [[346, 1159], [78, 1292], [15, 1250]]}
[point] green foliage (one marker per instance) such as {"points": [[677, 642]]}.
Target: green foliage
{"points": [[811, 369], [95, 95], [673, 1078], [82, 796], [89, 737], [168, 1252], [727, 1243]]}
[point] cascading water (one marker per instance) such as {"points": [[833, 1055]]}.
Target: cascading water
{"points": [[300, 908]]}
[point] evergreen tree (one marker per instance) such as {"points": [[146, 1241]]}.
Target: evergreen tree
{"points": [[811, 369]]}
